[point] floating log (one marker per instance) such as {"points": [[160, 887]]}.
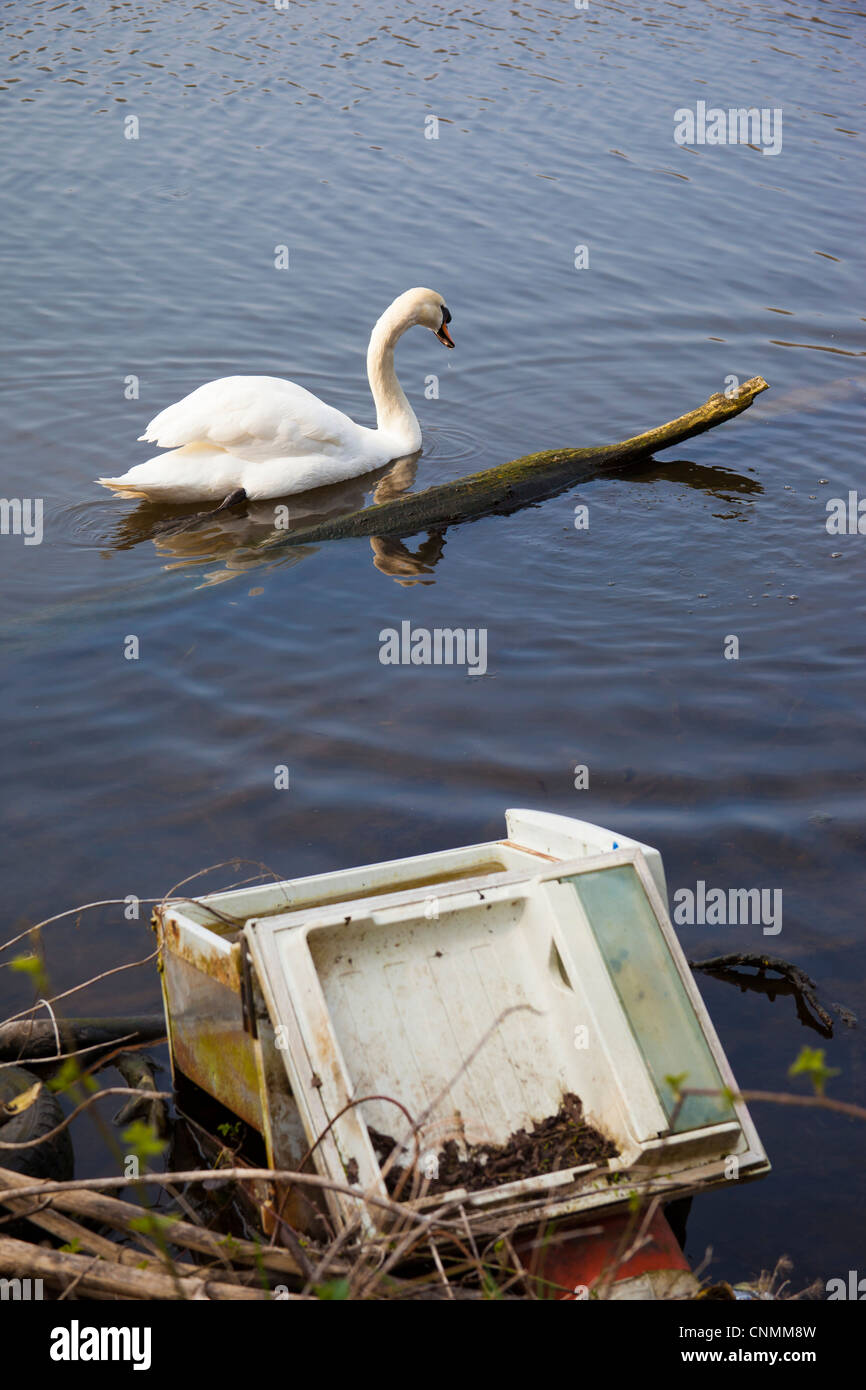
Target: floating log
{"points": [[31, 1039], [532, 478]]}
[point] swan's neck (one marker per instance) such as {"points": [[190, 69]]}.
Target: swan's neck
{"points": [[394, 414]]}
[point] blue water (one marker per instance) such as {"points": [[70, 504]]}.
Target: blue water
{"points": [[153, 258]]}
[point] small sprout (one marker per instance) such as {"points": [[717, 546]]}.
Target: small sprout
{"points": [[71, 1247], [676, 1083]]}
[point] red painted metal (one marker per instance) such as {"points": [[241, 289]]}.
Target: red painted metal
{"points": [[578, 1259]]}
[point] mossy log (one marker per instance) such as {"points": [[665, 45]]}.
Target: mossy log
{"points": [[530, 479]]}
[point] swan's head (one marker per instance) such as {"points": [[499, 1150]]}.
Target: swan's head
{"points": [[427, 308]]}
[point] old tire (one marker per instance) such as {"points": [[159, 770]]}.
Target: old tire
{"points": [[54, 1158]]}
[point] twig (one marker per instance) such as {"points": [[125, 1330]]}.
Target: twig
{"points": [[214, 1175], [120, 1216], [130, 965], [70, 912], [89, 1100], [437, 1260], [165, 897], [70, 1288], [35, 1034], [803, 985], [103, 1280], [842, 1107]]}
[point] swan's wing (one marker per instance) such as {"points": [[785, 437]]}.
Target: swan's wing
{"points": [[252, 417]]}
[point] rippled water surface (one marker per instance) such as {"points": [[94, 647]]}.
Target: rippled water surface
{"points": [[135, 269]]}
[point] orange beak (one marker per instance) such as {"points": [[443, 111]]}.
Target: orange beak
{"points": [[443, 335]]}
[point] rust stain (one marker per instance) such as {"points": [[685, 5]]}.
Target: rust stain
{"points": [[524, 849], [209, 1043], [219, 966], [224, 1065]]}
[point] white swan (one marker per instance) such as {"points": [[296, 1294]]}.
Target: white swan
{"points": [[254, 437]]}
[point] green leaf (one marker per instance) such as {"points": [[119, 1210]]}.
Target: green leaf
{"points": [[32, 965], [811, 1063], [336, 1289], [152, 1223], [143, 1140], [24, 1099]]}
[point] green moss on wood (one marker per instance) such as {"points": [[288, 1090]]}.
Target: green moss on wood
{"points": [[523, 481]]}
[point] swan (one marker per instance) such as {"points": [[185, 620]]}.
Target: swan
{"points": [[249, 438]]}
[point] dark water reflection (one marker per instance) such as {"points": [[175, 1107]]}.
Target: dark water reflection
{"points": [[153, 259]]}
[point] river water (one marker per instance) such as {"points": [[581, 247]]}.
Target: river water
{"points": [[157, 156]]}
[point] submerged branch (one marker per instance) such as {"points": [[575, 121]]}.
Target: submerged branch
{"points": [[31, 1040]]}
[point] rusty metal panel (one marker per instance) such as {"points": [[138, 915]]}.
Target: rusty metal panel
{"points": [[209, 1043], [210, 956]]}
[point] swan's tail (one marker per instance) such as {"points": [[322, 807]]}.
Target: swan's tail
{"points": [[121, 488], [194, 473], [150, 491]]}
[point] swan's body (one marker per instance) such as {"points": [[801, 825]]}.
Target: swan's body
{"points": [[261, 437]]}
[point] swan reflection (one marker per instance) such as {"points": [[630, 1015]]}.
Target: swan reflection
{"points": [[250, 535]]}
